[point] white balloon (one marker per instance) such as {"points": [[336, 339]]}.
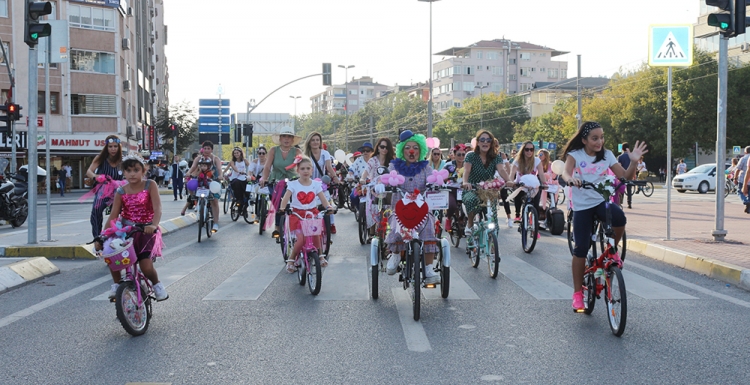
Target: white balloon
{"points": [[558, 167], [340, 155], [349, 159], [215, 187]]}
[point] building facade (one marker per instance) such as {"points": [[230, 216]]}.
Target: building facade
{"points": [[707, 37], [113, 81], [348, 97], [543, 97], [496, 66]]}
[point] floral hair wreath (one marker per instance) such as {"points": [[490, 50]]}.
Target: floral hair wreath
{"points": [[113, 140]]}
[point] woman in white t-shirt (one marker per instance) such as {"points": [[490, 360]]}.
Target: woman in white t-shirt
{"points": [[587, 160], [526, 163], [322, 163], [238, 179]]}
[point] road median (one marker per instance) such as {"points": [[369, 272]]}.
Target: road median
{"points": [[24, 272]]}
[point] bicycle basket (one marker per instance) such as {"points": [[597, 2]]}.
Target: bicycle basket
{"points": [[487, 195], [311, 226], [121, 258]]}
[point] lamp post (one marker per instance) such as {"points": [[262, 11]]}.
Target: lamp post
{"points": [[429, 104], [481, 114], [295, 110], [346, 104]]}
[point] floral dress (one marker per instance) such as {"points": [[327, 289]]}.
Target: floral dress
{"points": [[479, 173], [414, 179]]}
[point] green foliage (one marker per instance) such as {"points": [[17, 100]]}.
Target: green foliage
{"points": [[184, 116]]}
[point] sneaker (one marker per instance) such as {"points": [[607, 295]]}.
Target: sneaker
{"points": [[392, 266], [510, 223], [578, 301], [160, 292], [747, 208], [538, 235], [430, 276], [113, 291], [517, 219], [333, 229], [215, 228], [617, 259], [468, 232]]}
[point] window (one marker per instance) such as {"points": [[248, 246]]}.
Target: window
{"points": [[468, 70], [563, 74], [479, 54], [525, 56], [352, 92], [99, 62], [552, 72], [489, 68], [456, 104], [543, 54], [458, 69], [361, 92], [525, 87], [93, 104], [3, 8], [53, 102], [469, 86], [497, 70], [511, 61], [512, 77], [496, 87], [353, 102], [551, 99], [435, 75], [525, 71], [82, 16], [492, 55], [542, 69], [7, 52], [479, 68], [369, 92]]}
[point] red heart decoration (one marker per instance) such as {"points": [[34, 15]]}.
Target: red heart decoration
{"points": [[410, 216], [305, 197]]}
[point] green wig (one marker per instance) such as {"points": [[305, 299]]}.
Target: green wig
{"points": [[408, 136]]}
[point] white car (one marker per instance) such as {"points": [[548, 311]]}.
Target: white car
{"points": [[701, 179]]}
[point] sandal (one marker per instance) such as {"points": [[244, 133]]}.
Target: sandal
{"points": [[290, 268], [323, 262]]}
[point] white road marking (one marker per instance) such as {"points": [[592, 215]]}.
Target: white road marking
{"points": [[43, 227], [648, 289], [458, 289], [344, 280], [416, 338], [250, 281], [534, 281]]}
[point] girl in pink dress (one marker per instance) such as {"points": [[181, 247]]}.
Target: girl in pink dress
{"points": [[138, 203]]}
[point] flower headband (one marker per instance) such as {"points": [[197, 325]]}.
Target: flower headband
{"points": [[587, 127], [132, 155], [113, 140], [459, 147]]}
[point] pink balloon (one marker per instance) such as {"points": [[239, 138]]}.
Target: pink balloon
{"points": [[392, 178], [474, 143], [436, 142]]}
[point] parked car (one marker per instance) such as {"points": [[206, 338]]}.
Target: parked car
{"points": [[701, 179]]}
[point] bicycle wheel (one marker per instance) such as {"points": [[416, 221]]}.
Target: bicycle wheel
{"points": [[325, 236], [201, 217], [416, 258], [456, 232], [134, 317], [616, 297], [282, 237], [569, 225], [234, 211], [301, 269], [473, 251], [648, 189], [362, 224], [228, 198], [260, 213], [315, 275], [209, 222], [529, 228], [589, 287], [445, 273], [493, 255]]}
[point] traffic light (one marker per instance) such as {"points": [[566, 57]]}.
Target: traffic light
{"points": [[11, 114], [238, 130], [14, 111], [173, 130], [740, 17], [33, 30], [724, 20], [248, 132], [326, 74]]}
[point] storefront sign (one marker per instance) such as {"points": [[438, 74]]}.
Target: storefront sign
{"points": [[39, 121], [106, 3], [79, 142], [6, 144]]}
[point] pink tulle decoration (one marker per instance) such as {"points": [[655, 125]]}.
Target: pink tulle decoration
{"points": [[392, 178], [103, 190]]}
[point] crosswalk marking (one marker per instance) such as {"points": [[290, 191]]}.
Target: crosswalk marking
{"points": [[416, 338], [345, 279], [648, 289], [534, 281], [250, 281], [458, 289]]}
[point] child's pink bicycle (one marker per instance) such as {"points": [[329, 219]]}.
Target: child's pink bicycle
{"points": [[308, 260]]}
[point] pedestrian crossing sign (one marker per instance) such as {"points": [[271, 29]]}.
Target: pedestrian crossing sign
{"points": [[670, 45]]}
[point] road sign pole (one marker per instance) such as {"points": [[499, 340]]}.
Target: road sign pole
{"points": [[669, 153], [32, 139], [721, 137], [47, 138]]}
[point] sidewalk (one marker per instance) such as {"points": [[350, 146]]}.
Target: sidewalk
{"points": [[73, 196], [691, 245]]}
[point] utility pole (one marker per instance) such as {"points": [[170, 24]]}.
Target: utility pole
{"points": [[579, 116], [219, 153], [371, 139], [346, 105], [47, 60], [721, 137], [31, 138]]}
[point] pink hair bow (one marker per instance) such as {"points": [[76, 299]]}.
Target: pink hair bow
{"points": [[392, 178], [438, 177], [295, 162]]}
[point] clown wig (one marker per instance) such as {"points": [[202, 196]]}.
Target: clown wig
{"points": [[408, 136]]}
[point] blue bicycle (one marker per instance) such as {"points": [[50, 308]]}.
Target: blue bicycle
{"points": [[482, 242]]}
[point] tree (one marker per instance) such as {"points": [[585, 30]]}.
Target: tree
{"points": [[183, 116]]}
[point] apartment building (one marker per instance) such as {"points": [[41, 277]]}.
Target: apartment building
{"points": [[354, 94], [499, 65], [543, 97], [707, 37], [114, 80]]}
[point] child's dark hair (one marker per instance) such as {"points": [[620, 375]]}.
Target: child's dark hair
{"points": [[131, 163], [208, 143], [576, 143]]}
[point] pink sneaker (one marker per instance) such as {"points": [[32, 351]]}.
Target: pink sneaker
{"points": [[578, 301], [617, 260], [538, 235]]}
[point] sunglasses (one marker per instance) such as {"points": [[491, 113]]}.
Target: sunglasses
{"points": [[113, 140], [527, 149], [484, 140], [383, 147], [460, 154], [261, 153], [435, 154]]}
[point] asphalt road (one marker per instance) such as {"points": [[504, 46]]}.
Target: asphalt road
{"points": [[235, 317]]}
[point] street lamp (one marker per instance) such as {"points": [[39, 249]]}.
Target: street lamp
{"points": [[346, 103], [429, 104], [294, 125], [481, 114]]}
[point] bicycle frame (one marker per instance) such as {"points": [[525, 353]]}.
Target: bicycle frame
{"points": [[486, 224]]}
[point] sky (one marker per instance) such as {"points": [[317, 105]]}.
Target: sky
{"points": [[252, 47]]}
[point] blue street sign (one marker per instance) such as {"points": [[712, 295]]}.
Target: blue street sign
{"points": [[670, 45], [212, 128], [213, 102], [213, 110], [736, 150], [208, 120], [552, 146]]}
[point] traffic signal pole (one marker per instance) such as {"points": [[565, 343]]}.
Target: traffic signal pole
{"points": [[721, 138], [32, 140]]}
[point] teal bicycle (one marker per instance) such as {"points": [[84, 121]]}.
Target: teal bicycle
{"points": [[482, 242]]}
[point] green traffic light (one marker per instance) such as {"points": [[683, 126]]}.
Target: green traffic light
{"points": [[35, 36], [724, 25]]}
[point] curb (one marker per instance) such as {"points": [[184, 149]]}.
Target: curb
{"points": [[725, 272], [25, 272], [86, 251]]}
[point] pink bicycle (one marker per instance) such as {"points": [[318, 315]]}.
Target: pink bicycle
{"points": [[308, 260]]}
